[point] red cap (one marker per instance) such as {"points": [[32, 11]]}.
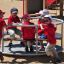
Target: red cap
{"points": [[26, 16], [2, 12]]}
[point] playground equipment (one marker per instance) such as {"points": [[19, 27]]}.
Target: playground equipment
{"points": [[19, 50], [56, 5], [53, 5]]}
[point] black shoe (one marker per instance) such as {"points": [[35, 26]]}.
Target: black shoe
{"points": [[22, 44], [26, 49], [10, 45], [58, 60], [31, 49]]}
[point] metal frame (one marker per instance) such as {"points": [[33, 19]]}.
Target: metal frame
{"points": [[59, 20]]}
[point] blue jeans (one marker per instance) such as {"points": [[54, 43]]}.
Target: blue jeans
{"points": [[42, 36]]}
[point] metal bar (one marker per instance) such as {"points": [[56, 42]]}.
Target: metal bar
{"points": [[2, 40], [18, 24], [36, 40], [58, 20], [62, 35], [61, 8]]}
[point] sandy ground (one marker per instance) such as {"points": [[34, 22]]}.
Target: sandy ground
{"points": [[6, 5]]}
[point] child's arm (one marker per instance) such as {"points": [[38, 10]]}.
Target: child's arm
{"points": [[41, 27], [55, 27]]}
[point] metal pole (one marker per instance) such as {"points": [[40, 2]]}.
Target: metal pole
{"points": [[61, 8], [36, 40], [62, 35], [2, 40], [25, 4], [44, 4], [23, 7]]}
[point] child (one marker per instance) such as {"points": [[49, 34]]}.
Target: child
{"points": [[42, 13], [2, 24], [49, 30], [14, 19], [12, 30], [26, 21]]}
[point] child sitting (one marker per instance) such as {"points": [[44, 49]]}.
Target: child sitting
{"points": [[29, 36]]}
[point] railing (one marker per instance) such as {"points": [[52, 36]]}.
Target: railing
{"points": [[55, 20]]}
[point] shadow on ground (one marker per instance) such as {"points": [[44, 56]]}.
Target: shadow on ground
{"points": [[37, 59]]}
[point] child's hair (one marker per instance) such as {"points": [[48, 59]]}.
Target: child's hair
{"points": [[14, 10], [26, 16]]}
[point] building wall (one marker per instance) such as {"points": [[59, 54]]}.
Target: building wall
{"points": [[34, 5]]}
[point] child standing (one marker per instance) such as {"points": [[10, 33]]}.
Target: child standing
{"points": [[26, 21], [2, 24], [50, 30], [41, 35]]}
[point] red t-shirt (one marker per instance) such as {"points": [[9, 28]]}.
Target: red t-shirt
{"points": [[2, 24], [13, 19], [28, 32], [40, 31], [49, 31]]}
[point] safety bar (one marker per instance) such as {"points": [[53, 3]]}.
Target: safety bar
{"points": [[17, 24]]}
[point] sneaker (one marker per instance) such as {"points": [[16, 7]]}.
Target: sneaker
{"points": [[10, 44], [22, 43], [58, 60], [31, 49], [26, 49]]}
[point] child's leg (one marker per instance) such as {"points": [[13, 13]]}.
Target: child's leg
{"points": [[31, 47], [17, 31], [12, 35], [47, 50], [51, 51], [55, 55], [26, 46], [0, 42]]}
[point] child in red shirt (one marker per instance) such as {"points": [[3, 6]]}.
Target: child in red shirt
{"points": [[11, 20], [41, 35], [42, 13], [31, 36], [14, 19], [2, 24], [50, 30]]}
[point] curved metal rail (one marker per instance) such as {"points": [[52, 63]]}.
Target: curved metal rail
{"points": [[37, 52]]}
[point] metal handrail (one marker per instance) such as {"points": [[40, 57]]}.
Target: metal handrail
{"points": [[58, 20]]}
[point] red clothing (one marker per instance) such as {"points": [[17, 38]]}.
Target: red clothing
{"points": [[40, 31], [28, 32], [27, 23], [2, 24], [12, 19], [50, 2], [49, 31]]}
